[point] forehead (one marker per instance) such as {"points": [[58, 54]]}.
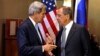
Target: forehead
{"points": [[60, 10]]}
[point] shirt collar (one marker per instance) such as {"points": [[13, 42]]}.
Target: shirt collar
{"points": [[33, 22], [69, 25]]}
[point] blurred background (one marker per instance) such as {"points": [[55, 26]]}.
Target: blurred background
{"points": [[15, 11]]}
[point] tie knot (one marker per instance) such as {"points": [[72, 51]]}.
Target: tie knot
{"points": [[36, 27], [64, 28]]}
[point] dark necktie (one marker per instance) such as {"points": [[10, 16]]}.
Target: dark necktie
{"points": [[39, 33], [43, 42]]}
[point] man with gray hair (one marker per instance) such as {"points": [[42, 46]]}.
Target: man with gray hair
{"points": [[29, 39]]}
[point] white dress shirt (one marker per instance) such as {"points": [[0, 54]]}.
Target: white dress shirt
{"points": [[68, 27]]}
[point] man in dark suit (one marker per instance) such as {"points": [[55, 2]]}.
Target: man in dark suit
{"points": [[72, 39], [30, 41]]}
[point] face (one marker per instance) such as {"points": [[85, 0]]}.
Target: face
{"points": [[40, 16], [62, 19]]}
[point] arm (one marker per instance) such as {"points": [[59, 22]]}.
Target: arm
{"points": [[27, 49], [24, 46], [85, 38]]}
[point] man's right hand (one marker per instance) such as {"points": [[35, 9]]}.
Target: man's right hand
{"points": [[49, 39], [49, 47]]}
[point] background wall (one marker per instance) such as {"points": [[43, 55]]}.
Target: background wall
{"points": [[14, 8], [17, 8], [94, 18], [1, 21]]}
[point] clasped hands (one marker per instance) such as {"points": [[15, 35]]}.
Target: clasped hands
{"points": [[49, 46]]}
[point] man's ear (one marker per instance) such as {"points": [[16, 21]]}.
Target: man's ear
{"points": [[67, 16], [35, 13], [44, 9]]}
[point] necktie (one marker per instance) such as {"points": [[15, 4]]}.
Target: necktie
{"points": [[37, 29], [63, 42], [43, 42]]}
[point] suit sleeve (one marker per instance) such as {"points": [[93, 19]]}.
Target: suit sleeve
{"points": [[85, 38], [25, 48]]}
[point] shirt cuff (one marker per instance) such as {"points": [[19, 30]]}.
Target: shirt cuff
{"points": [[42, 49]]}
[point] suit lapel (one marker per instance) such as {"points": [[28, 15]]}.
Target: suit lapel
{"points": [[33, 30], [58, 38], [72, 30]]}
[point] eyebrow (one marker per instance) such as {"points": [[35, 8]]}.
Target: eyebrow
{"points": [[58, 15]]}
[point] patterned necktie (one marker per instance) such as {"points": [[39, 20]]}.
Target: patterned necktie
{"points": [[38, 31], [43, 42], [63, 42]]}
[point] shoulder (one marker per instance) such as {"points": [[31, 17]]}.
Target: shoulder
{"points": [[78, 26], [24, 24]]}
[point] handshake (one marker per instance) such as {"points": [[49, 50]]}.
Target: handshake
{"points": [[49, 46]]}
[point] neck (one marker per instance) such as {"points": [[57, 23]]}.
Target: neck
{"points": [[34, 18], [67, 22]]}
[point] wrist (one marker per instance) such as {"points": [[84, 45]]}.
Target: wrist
{"points": [[43, 48]]}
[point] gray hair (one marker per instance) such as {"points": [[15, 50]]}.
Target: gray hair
{"points": [[67, 10], [35, 7]]}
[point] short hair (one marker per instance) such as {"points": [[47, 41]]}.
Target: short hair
{"points": [[35, 7], [67, 11]]}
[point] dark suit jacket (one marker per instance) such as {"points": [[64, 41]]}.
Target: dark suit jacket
{"points": [[77, 44], [28, 40]]}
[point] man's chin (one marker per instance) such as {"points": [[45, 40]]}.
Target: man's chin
{"points": [[40, 21]]}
